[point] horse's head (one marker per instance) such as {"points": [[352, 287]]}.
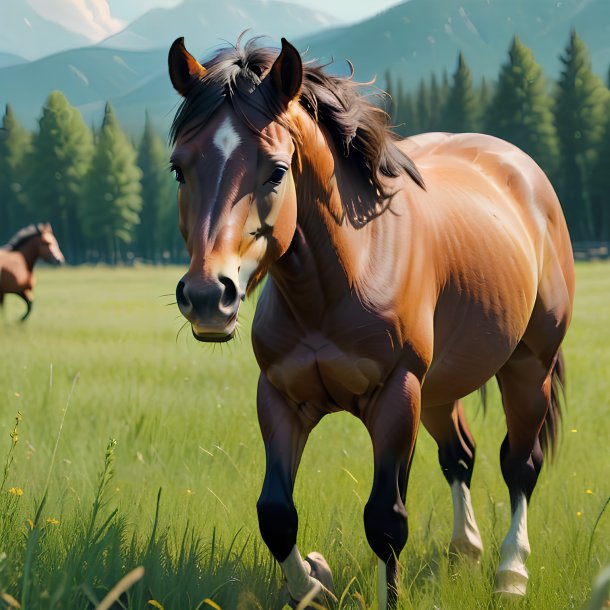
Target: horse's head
{"points": [[232, 159], [48, 248]]}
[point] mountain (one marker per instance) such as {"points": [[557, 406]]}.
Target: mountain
{"points": [[135, 79], [204, 24], [86, 76], [421, 36], [412, 39], [25, 33], [8, 59]]}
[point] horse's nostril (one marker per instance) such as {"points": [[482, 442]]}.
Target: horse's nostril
{"points": [[180, 296], [229, 294]]}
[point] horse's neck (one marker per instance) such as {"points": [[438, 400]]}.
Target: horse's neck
{"points": [[333, 257], [29, 251], [323, 261]]}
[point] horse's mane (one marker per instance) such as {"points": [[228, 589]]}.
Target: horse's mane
{"points": [[23, 235], [359, 128]]}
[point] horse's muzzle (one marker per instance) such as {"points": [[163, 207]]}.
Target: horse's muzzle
{"points": [[210, 306]]}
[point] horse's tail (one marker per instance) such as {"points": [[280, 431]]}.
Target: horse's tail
{"points": [[549, 434]]}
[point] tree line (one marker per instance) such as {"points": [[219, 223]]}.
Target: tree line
{"points": [[110, 199], [107, 199], [564, 126]]}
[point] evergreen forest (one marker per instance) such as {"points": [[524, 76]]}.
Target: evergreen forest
{"points": [[111, 199]]}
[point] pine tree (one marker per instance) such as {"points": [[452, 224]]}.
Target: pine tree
{"points": [[436, 105], [113, 200], [172, 244], [579, 116], [444, 89], [600, 186], [461, 108], [423, 106], [14, 144], [485, 97], [60, 158], [156, 192], [406, 119], [521, 109], [390, 101]]}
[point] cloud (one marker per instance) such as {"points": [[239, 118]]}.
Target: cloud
{"points": [[91, 18]]}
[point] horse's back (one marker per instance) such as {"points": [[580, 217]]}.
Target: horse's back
{"points": [[458, 163]]}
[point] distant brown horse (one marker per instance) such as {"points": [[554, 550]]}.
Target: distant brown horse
{"points": [[18, 257], [398, 284]]}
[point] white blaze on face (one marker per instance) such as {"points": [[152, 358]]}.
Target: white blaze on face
{"points": [[226, 140], [55, 251]]}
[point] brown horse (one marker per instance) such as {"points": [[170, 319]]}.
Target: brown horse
{"points": [[398, 284], [18, 257]]}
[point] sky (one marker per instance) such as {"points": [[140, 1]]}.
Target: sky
{"points": [[96, 20], [92, 18], [346, 10]]}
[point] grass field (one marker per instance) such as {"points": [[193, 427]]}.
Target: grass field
{"points": [[101, 354]]}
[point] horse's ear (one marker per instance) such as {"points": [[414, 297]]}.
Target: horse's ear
{"points": [[184, 69], [287, 72]]}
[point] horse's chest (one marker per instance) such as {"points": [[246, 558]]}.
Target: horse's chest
{"points": [[325, 375], [14, 273]]}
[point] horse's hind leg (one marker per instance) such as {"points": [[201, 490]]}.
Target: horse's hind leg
{"points": [[456, 452], [526, 385]]}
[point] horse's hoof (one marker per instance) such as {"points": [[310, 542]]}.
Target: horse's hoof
{"points": [[463, 549], [511, 585], [320, 571]]}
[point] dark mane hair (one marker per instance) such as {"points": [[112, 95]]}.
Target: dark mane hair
{"points": [[23, 235], [359, 128]]}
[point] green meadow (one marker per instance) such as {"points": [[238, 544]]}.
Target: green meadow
{"points": [[102, 357]]}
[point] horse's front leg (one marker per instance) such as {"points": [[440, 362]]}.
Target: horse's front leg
{"points": [[285, 428], [392, 421], [28, 297]]}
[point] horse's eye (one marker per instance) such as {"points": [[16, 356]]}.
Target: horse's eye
{"points": [[277, 175], [178, 174]]}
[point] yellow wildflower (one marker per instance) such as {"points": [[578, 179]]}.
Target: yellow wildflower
{"points": [[10, 600], [17, 394], [189, 492], [578, 514], [588, 491], [16, 491], [52, 521], [30, 523], [155, 604]]}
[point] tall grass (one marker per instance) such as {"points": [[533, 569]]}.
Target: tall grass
{"points": [[175, 493]]}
